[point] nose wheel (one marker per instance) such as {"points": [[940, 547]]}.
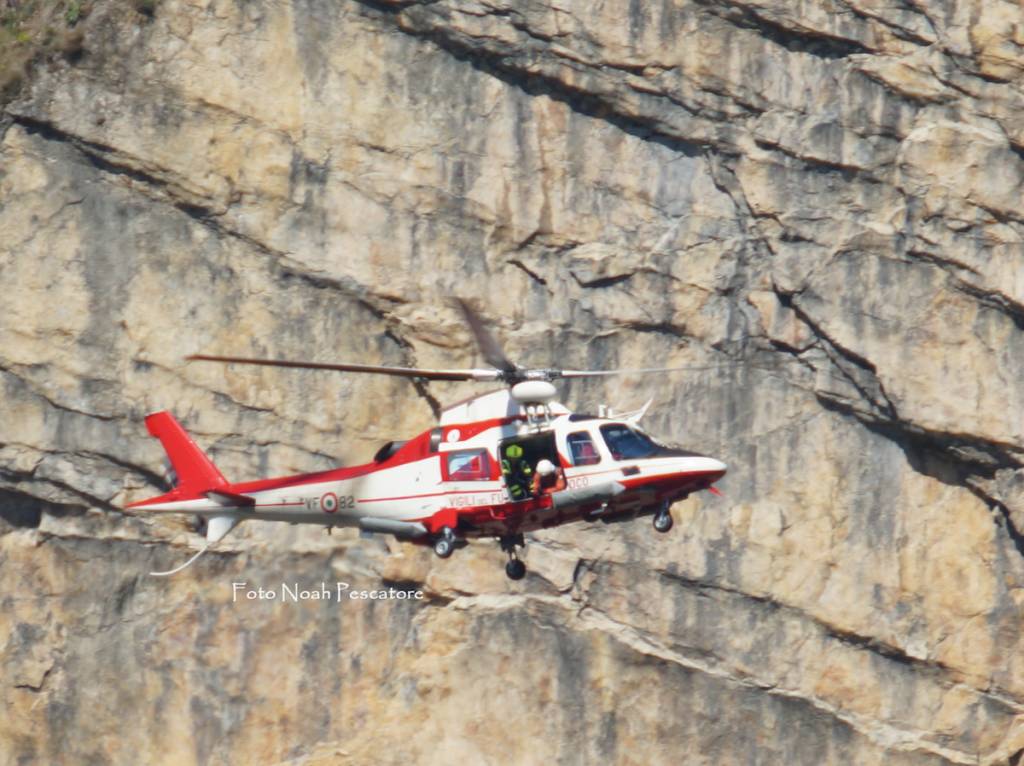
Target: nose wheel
{"points": [[663, 520], [515, 569]]}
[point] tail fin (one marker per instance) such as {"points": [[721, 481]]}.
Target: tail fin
{"points": [[196, 472], [197, 477]]}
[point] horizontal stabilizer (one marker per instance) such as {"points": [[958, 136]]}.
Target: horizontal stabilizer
{"points": [[230, 499]]}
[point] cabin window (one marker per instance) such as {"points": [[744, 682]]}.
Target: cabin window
{"points": [[468, 465], [627, 444], [582, 449]]}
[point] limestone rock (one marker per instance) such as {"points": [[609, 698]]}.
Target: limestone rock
{"points": [[818, 201]]}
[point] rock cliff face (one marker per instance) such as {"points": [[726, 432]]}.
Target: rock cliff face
{"points": [[823, 198]]}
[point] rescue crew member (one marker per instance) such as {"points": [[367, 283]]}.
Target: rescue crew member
{"points": [[517, 472], [546, 478]]}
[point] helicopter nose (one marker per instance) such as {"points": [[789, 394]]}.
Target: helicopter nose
{"points": [[705, 468], [716, 466], [711, 470]]}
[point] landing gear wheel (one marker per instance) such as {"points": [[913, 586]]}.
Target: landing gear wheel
{"points": [[663, 521], [445, 544], [515, 569]]}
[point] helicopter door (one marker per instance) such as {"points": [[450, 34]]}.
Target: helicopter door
{"points": [[519, 459]]}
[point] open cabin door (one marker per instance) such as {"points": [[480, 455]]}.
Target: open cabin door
{"points": [[519, 457]]}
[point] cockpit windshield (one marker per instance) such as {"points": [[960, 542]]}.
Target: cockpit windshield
{"points": [[626, 443]]}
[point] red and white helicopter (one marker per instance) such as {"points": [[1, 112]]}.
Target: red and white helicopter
{"points": [[498, 465]]}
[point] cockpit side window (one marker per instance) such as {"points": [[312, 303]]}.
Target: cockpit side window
{"points": [[582, 449], [627, 444]]}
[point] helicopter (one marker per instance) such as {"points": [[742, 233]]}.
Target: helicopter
{"points": [[498, 465]]}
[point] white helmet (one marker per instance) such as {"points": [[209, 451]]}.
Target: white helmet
{"points": [[545, 467]]}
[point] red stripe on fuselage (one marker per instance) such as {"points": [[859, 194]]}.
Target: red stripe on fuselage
{"points": [[675, 482], [511, 514], [415, 450], [469, 430], [429, 494]]}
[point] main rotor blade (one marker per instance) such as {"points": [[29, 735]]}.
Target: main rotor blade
{"points": [[404, 372], [492, 352], [636, 370]]}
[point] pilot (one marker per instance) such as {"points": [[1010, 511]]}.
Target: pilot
{"points": [[517, 472]]}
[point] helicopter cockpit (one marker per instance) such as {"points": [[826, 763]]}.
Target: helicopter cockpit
{"points": [[626, 443], [623, 441]]}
